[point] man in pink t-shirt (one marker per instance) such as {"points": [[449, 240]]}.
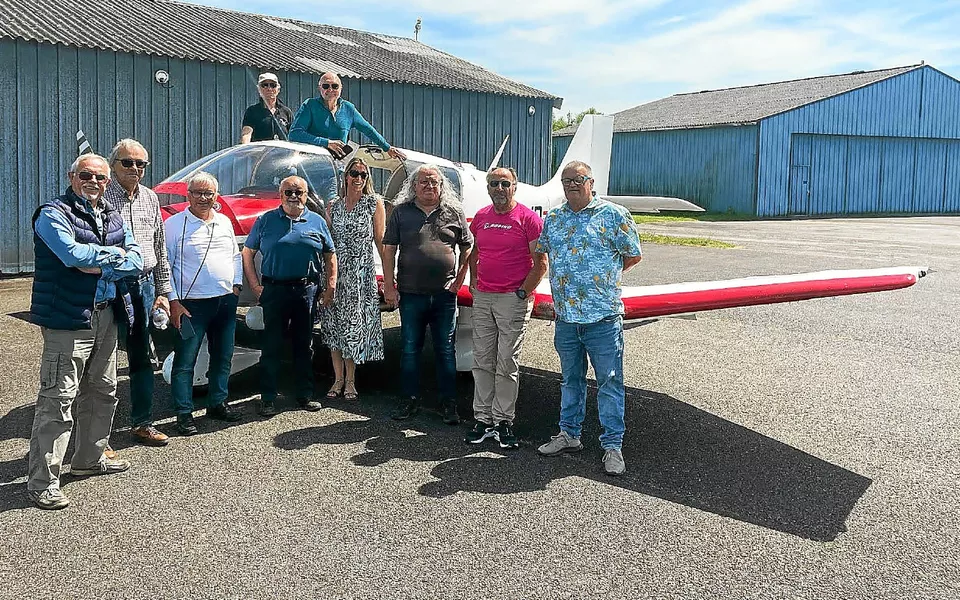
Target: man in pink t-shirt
{"points": [[502, 283]]}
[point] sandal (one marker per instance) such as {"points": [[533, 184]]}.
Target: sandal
{"points": [[336, 390], [350, 395]]}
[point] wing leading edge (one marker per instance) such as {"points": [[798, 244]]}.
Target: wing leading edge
{"points": [[661, 300]]}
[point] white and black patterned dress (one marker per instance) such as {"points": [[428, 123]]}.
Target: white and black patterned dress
{"points": [[352, 325]]}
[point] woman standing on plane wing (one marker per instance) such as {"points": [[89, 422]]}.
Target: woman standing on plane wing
{"points": [[326, 121]]}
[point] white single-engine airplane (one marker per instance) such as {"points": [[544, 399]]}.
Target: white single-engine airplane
{"points": [[250, 175]]}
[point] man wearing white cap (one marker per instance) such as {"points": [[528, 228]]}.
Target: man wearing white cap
{"points": [[268, 119]]}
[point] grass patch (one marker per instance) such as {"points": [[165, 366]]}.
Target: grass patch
{"points": [[673, 240]]}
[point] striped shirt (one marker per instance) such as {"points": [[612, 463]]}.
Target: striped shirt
{"points": [[142, 214]]}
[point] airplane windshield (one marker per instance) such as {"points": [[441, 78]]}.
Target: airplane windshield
{"points": [[256, 171]]}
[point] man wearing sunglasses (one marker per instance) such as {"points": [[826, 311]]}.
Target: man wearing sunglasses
{"points": [[268, 119], [326, 121], [502, 281], [82, 249], [298, 253], [589, 243], [148, 289]]}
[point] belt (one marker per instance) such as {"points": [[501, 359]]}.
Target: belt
{"points": [[300, 281], [102, 305], [138, 278]]}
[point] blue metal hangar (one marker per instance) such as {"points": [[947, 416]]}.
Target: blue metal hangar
{"points": [[881, 142], [179, 76]]}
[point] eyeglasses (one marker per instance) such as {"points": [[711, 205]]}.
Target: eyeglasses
{"points": [[205, 194], [293, 193], [269, 84], [578, 180], [328, 86], [429, 182], [130, 162], [502, 183], [360, 174], [87, 176]]}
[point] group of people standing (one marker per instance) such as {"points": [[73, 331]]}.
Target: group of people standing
{"points": [[107, 266]]}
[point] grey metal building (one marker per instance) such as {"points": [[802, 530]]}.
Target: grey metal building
{"points": [[92, 65], [882, 142]]}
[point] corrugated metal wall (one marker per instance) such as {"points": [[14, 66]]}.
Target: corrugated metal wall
{"points": [[714, 167], [889, 147], [112, 95]]}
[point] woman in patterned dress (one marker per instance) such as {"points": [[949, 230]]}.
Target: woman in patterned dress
{"points": [[351, 325]]}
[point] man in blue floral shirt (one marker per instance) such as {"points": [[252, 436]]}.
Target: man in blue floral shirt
{"points": [[589, 243]]}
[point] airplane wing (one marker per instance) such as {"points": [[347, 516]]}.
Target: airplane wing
{"points": [[652, 204], [644, 302]]}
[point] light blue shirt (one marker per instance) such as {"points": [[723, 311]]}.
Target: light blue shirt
{"points": [[115, 263], [586, 251], [315, 124]]}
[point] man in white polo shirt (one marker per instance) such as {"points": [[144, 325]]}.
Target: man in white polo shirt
{"points": [[206, 274]]}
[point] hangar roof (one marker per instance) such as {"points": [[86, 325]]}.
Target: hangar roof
{"points": [[191, 31], [739, 105]]}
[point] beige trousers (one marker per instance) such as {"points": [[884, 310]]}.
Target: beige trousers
{"points": [[78, 383], [499, 321]]}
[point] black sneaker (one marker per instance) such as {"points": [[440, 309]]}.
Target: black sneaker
{"points": [[450, 414], [224, 412], [268, 408], [185, 425], [504, 434], [480, 432], [408, 408]]}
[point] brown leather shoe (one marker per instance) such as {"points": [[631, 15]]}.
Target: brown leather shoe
{"points": [[110, 454], [148, 435]]}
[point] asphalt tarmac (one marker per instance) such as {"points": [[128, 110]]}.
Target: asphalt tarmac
{"points": [[805, 450]]}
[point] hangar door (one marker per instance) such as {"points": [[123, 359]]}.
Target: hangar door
{"points": [[835, 174]]}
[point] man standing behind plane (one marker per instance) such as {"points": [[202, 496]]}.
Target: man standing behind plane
{"points": [[82, 249], [427, 226], [326, 121], [502, 280], [140, 209], [268, 119], [590, 243]]}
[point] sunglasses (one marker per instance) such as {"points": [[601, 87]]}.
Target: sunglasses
{"points": [[500, 184], [130, 162], [205, 194], [269, 84], [578, 180], [327, 86], [360, 174], [293, 193], [87, 176]]}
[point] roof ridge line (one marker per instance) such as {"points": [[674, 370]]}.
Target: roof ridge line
{"points": [[755, 85]]}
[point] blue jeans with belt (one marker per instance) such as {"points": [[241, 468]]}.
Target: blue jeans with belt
{"points": [[439, 311], [287, 308], [143, 294], [602, 342], [217, 319]]}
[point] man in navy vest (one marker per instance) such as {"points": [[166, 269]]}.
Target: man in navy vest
{"points": [[82, 248]]}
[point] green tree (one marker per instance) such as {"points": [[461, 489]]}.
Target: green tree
{"points": [[571, 119]]}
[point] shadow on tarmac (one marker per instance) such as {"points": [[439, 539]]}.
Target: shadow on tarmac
{"points": [[673, 451]]}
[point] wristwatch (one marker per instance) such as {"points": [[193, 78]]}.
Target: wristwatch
{"points": [[238, 287], [521, 293]]}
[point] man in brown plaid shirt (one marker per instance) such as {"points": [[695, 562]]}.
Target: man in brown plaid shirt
{"points": [[140, 208]]}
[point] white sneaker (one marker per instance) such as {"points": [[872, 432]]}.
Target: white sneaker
{"points": [[50, 499], [560, 443]]}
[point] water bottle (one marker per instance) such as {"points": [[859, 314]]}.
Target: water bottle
{"points": [[160, 319]]}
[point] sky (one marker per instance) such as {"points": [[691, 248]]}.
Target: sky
{"points": [[615, 54]]}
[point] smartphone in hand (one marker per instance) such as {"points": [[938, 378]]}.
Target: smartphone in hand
{"points": [[186, 328]]}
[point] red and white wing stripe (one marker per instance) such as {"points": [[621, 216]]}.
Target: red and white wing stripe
{"points": [[678, 298]]}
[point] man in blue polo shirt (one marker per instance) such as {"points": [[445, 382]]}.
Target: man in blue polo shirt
{"points": [[298, 254]]}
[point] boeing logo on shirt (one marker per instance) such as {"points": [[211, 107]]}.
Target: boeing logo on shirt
{"points": [[497, 226]]}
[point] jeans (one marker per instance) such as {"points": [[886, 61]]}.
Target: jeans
{"points": [[287, 309], [143, 295], [603, 343], [217, 319], [440, 312]]}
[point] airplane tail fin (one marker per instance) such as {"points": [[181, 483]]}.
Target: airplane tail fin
{"points": [[592, 144]]}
